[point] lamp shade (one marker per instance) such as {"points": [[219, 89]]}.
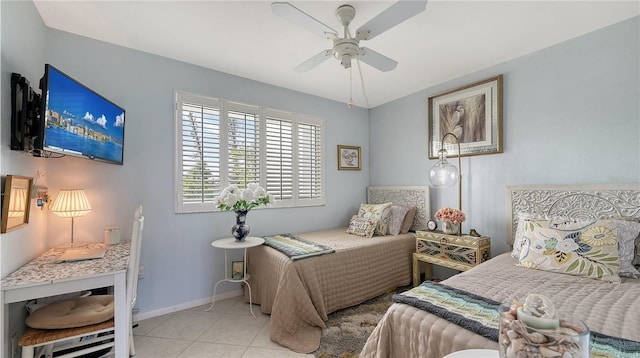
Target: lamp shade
{"points": [[17, 202], [71, 203]]}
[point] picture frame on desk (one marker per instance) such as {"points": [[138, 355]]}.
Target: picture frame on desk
{"points": [[237, 270]]}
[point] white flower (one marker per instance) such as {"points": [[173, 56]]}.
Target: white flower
{"points": [[247, 195], [232, 198]]}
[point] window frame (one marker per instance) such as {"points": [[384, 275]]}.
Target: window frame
{"points": [[224, 106]]}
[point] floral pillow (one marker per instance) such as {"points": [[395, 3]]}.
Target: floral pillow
{"points": [[379, 212], [397, 218], [591, 251], [361, 226]]}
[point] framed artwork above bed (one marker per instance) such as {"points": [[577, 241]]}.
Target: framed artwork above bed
{"points": [[473, 113]]}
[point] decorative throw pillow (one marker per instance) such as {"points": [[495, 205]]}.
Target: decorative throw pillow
{"points": [[591, 251], [628, 233], [379, 212], [408, 219], [518, 239], [397, 218], [558, 223], [361, 226]]}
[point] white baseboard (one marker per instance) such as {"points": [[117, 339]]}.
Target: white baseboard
{"points": [[183, 306]]}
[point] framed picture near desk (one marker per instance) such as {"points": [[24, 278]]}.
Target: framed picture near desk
{"points": [[16, 202]]}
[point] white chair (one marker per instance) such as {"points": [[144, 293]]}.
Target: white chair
{"points": [[96, 337]]}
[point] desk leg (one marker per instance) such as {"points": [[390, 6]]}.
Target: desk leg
{"points": [[122, 324]]}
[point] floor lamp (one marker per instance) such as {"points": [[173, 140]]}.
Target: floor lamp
{"points": [[444, 174], [71, 203]]}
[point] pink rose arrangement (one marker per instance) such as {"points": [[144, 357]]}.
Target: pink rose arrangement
{"points": [[450, 215]]}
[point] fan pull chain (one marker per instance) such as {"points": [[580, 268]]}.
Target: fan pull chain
{"points": [[364, 92]]}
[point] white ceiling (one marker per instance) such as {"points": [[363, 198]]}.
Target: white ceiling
{"points": [[448, 40]]}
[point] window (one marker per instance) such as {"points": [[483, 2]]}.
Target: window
{"points": [[219, 143]]}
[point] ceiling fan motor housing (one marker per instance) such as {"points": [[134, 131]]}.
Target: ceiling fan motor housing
{"points": [[344, 50]]}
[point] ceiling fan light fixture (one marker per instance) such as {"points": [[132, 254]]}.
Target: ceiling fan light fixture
{"points": [[347, 48]]}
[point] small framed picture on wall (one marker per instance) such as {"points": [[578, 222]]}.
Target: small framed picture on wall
{"points": [[349, 157]]}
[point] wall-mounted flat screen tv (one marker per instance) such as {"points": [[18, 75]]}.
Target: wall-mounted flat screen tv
{"points": [[78, 121]]}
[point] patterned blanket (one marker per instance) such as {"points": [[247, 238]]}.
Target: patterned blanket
{"points": [[296, 248], [481, 316]]}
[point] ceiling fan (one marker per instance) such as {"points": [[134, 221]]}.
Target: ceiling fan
{"points": [[347, 48]]}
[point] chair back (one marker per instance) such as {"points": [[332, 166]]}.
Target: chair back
{"points": [[134, 256]]}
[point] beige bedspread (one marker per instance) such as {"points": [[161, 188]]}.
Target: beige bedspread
{"points": [[300, 294], [406, 331]]}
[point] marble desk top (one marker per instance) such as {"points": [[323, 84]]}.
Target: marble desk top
{"points": [[44, 268]]}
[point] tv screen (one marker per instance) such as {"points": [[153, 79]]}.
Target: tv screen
{"points": [[77, 121]]}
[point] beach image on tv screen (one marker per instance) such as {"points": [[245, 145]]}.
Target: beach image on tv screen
{"points": [[81, 122]]}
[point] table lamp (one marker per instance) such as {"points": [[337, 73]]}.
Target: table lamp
{"points": [[444, 174], [71, 203]]}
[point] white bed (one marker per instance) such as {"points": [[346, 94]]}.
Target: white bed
{"points": [[607, 308]]}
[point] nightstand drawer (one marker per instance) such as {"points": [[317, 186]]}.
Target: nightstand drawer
{"points": [[462, 251]]}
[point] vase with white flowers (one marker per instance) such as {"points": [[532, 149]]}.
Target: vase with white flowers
{"points": [[451, 219], [241, 201]]}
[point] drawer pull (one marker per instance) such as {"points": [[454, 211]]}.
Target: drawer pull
{"points": [[443, 241]]}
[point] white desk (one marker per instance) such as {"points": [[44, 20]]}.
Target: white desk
{"points": [[43, 277], [231, 244]]}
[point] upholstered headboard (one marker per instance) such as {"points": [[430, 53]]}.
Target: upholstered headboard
{"points": [[586, 202], [404, 196]]}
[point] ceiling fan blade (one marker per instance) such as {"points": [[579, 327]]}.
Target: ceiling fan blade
{"points": [[394, 15], [377, 60], [302, 19], [314, 61]]}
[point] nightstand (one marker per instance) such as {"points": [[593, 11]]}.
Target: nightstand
{"points": [[453, 251]]}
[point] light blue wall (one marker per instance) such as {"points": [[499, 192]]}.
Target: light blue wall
{"points": [[180, 265], [571, 115]]}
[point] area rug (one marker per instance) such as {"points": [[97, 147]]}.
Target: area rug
{"points": [[348, 329]]}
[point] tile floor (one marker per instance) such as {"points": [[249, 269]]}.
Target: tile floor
{"points": [[228, 331]]}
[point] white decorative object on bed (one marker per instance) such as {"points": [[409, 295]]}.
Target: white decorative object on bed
{"points": [[606, 308], [300, 294]]}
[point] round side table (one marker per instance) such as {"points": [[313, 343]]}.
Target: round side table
{"points": [[232, 244]]}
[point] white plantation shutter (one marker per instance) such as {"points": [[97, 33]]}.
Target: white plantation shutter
{"points": [[199, 160], [220, 143], [279, 158], [310, 156], [243, 145]]}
